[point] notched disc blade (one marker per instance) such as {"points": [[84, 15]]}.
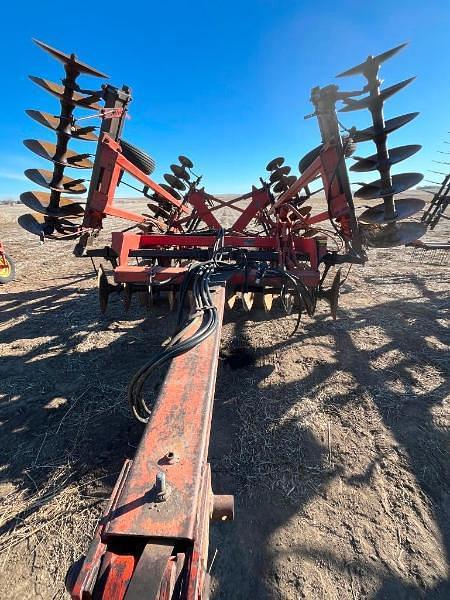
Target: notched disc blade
{"points": [[56, 124], [47, 150], [186, 162], [71, 59], [68, 96], [40, 203], [275, 163], [174, 182], [404, 208], [180, 172], [379, 59], [389, 126], [369, 101], [44, 178], [279, 173], [396, 155], [400, 183], [397, 234]]}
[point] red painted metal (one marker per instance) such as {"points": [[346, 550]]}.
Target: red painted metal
{"points": [[112, 163], [135, 524], [141, 541]]}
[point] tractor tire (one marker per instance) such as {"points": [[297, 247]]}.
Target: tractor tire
{"points": [[309, 158], [140, 159], [313, 154], [7, 273]]}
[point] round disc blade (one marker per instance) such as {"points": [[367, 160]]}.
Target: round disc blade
{"points": [[157, 209], [334, 294], [368, 101], [397, 234], [169, 189], [400, 183], [40, 202], [180, 172], [396, 155], [389, 126], [44, 178], [54, 123], [404, 208], [379, 59], [284, 183], [174, 182], [70, 97], [280, 186], [32, 223], [279, 173], [275, 163], [304, 210], [47, 150], [70, 59], [186, 162], [103, 289], [36, 224]]}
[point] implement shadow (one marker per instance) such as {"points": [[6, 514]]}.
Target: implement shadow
{"points": [[64, 370], [245, 565]]}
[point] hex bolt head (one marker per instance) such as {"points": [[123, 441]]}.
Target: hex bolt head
{"points": [[162, 490], [160, 483]]}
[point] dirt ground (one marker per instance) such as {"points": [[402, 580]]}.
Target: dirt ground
{"points": [[335, 442]]}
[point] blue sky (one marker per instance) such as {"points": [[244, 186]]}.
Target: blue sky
{"points": [[226, 83]]}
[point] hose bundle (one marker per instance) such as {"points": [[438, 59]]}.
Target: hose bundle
{"points": [[198, 279]]}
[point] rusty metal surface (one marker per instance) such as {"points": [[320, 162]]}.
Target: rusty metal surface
{"points": [[65, 126], [49, 151], [400, 183], [40, 202], [45, 178], [71, 60], [180, 424], [69, 96], [149, 572], [404, 208], [363, 135], [396, 155], [378, 60]]}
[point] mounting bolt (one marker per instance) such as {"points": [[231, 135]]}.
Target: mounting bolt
{"points": [[162, 490], [171, 458]]}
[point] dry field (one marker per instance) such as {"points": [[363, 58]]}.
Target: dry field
{"points": [[335, 442]]}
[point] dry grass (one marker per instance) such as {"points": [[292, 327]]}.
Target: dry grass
{"points": [[58, 518]]}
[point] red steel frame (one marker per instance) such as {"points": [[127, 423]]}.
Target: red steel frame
{"points": [[141, 544], [286, 238], [143, 547]]}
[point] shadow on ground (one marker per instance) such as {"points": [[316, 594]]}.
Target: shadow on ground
{"points": [[63, 377]]}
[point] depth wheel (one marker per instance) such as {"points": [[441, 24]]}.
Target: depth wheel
{"points": [[7, 269]]}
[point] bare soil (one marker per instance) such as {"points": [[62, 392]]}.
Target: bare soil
{"points": [[335, 442]]}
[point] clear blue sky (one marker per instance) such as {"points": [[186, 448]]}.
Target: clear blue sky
{"points": [[226, 83]]}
